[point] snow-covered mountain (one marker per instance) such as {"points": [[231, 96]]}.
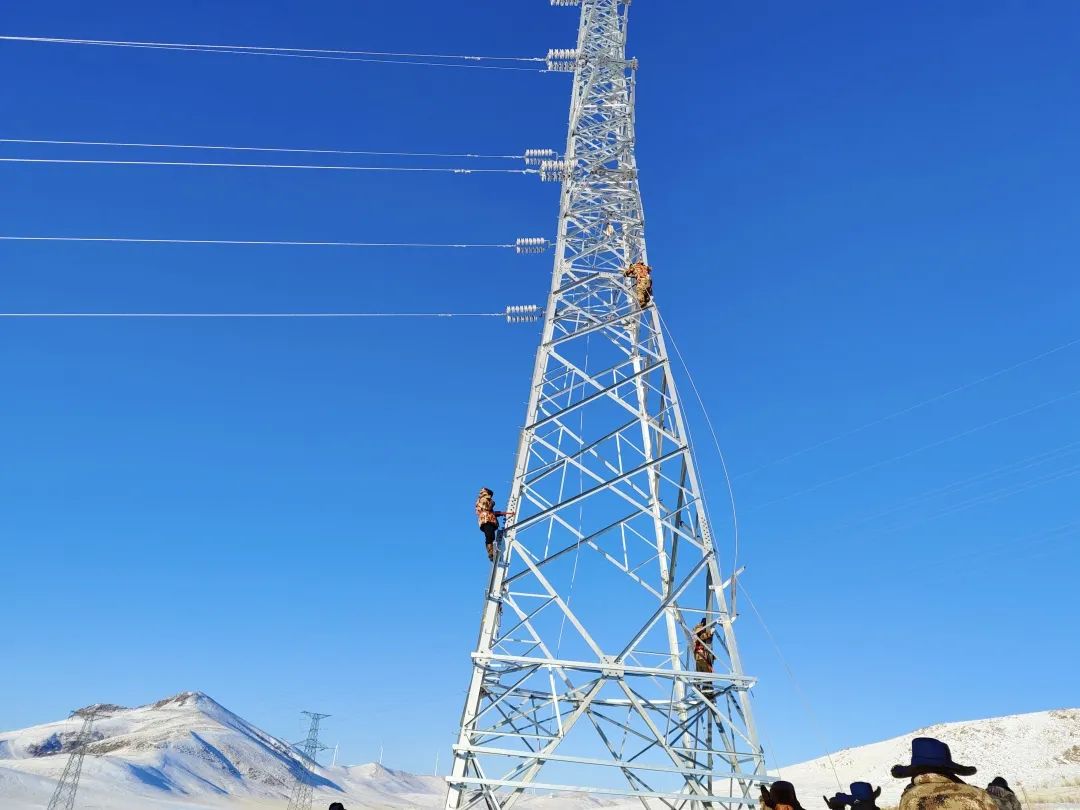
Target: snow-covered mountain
{"points": [[190, 752], [184, 747], [1038, 753]]}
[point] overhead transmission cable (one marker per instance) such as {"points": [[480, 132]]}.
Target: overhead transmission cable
{"points": [[327, 315], [326, 54], [207, 147], [904, 411], [518, 313], [424, 169], [526, 245], [932, 445], [1054, 454], [267, 242]]}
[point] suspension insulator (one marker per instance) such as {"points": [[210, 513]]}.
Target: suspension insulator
{"points": [[532, 244], [523, 313], [534, 156], [562, 59], [552, 171], [566, 2]]}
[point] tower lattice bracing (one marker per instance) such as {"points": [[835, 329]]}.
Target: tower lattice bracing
{"points": [[67, 788], [584, 676]]}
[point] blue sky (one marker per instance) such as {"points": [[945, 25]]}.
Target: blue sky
{"points": [[852, 209]]}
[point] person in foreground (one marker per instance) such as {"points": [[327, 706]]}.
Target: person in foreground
{"points": [[1001, 793], [780, 796], [864, 796], [935, 780]]}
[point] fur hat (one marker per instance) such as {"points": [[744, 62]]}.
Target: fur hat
{"points": [[930, 756], [999, 781], [780, 793], [864, 792]]}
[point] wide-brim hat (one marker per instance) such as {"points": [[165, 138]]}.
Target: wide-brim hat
{"points": [[864, 792], [838, 800], [930, 756], [780, 792]]}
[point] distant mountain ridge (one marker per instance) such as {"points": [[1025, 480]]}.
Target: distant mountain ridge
{"points": [[190, 752]]}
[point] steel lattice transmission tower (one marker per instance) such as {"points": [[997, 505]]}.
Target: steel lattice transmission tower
{"points": [[583, 676], [63, 797], [302, 791]]}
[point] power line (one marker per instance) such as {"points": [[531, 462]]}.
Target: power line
{"points": [[986, 498], [326, 315], [910, 408], [437, 169], [272, 48], [381, 57], [267, 242], [1054, 454], [37, 141], [909, 453]]}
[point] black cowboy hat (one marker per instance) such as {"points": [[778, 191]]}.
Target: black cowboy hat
{"points": [[337, 806], [864, 792], [838, 802], [930, 756], [780, 793], [999, 781]]}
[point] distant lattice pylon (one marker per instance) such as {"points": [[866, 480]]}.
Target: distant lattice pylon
{"points": [[63, 797], [302, 790]]}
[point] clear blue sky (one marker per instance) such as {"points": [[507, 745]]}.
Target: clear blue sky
{"points": [[853, 207]]}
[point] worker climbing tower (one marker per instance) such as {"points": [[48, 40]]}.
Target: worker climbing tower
{"points": [[584, 674]]}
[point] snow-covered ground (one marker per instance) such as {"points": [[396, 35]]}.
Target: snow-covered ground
{"points": [[1038, 753], [190, 752]]}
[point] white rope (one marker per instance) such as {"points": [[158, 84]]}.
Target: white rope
{"points": [[252, 314], [720, 452], [268, 242], [445, 170], [798, 688], [910, 408], [258, 149], [380, 57]]}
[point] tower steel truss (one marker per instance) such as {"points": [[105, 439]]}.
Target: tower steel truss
{"points": [[303, 789], [584, 675], [67, 788]]}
